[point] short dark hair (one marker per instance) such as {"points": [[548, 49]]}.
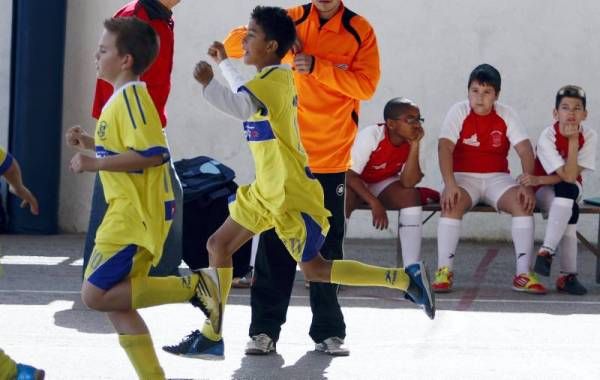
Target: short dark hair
{"points": [[486, 74], [570, 91], [396, 107], [134, 37], [277, 26]]}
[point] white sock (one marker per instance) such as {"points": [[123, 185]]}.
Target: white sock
{"points": [[560, 212], [448, 234], [410, 230], [522, 235], [568, 250]]}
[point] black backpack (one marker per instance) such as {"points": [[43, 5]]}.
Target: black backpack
{"points": [[207, 185], [204, 178]]}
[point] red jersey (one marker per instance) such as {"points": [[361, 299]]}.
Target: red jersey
{"points": [[374, 157], [482, 142], [553, 148], [158, 75]]}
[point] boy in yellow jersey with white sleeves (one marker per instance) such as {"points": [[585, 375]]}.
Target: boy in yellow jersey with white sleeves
{"points": [[285, 195], [10, 170], [131, 156]]}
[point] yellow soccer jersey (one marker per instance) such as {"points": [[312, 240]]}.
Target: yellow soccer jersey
{"points": [[5, 161], [283, 180], [140, 203]]}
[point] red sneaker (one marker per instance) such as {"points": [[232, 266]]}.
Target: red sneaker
{"points": [[528, 283]]}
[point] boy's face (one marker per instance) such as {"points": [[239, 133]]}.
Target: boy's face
{"points": [[327, 7], [109, 63], [570, 112], [482, 98], [408, 125], [256, 46]]}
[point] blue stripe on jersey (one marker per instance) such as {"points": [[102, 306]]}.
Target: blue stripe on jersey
{"points": [[115, 269], [129, 109], [103, 152], [314, 238], [170, 209], [155, 151], [258, 130], [137, 99], [8, 160]]}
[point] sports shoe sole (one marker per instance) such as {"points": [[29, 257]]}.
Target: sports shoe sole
{"points": [[530, 291]]}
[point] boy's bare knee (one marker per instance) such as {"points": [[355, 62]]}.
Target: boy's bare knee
{"points": [[90, 300]]}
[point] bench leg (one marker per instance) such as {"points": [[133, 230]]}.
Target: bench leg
{"points": [[398, 244]]}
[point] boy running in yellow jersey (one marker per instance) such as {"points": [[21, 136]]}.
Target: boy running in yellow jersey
{"points": [[285, 194], [131, 157], [10, 170]]}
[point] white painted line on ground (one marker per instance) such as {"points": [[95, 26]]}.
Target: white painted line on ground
{"points": [[32, 260], [77, 263], [350, 298]]}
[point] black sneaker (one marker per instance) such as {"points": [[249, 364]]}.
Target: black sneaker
{"points": [[543, 262], [569, 284], [198, 346]]}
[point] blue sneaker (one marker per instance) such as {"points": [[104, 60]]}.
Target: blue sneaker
{"points": [[197, 346], [419, 289], [27, 372]]}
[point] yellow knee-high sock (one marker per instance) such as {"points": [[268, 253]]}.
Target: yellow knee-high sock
{"points": [[225, 277], [152, 291], [8, 367], [350, 272], [141, 354]]}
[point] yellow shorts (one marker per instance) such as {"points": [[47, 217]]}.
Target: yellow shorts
{"points": [[301, 233], [110, 264]]}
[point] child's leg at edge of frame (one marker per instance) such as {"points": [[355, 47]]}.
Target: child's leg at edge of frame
{"points": [[107, 279], [8, 367], [221, 247], [342, 272], [355, 273]]}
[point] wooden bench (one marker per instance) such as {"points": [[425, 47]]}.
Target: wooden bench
{"points": [[584, 208]]}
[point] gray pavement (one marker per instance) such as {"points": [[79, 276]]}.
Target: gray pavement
{"points": [[483, 330]]}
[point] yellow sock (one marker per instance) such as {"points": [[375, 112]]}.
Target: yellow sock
{"points": [[152, 291], [141, 354], [8, 367], [225, 277], [350, 272]]}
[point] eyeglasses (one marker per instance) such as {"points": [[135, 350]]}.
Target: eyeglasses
{"points": [[410, 120]]}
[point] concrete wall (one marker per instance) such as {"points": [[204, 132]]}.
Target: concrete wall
{"points": [[428, 48]]}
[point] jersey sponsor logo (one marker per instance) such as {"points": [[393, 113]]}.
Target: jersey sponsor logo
{"points": [[102, 130], [258, 131], [472, 141], [496, 138]]}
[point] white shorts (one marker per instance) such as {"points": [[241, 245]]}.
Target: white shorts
{"points": [[485, 187], [377, 188]]}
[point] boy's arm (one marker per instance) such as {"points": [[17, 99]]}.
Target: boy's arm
{"points": [[354, 181], [239, 105], [122, 162], [411, 173], [571, 170], [359, 81], [451, 193], [16, 186], [525, 193]]}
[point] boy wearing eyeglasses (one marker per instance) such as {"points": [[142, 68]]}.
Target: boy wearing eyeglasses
{"points": [[565, 150], [385, 170], [473, 148]]}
